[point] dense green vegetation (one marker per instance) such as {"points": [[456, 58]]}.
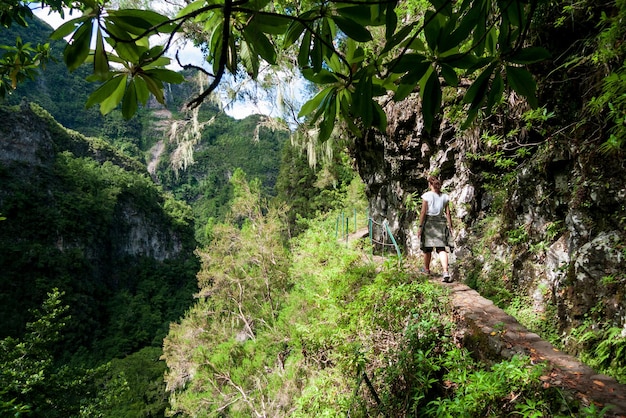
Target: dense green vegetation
{"points": [[68, 224], [283, 328], [321, 331]]}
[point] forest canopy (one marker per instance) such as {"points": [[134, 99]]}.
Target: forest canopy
{"points": [[355, 52]]}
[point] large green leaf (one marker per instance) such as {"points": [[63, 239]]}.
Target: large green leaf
{"points": [[320, 77], [328, 123], [138, 21], [403, 90], [362, 14], [449, 74], [141, 90], [433, 29], [477, 91], [391, 17], [295, 30], [316, 54], [77, 51], [431, 100], [100, 60], [305, 47], [406, 62], [315, 102], [272, 24], [463, 29], [529, 55], [104, 91], [379, 119], [165, 75], [523, 83], [352, 29], [363, 101], [463, 61], [155, 86], [118, 87], [397, 38], [129, 103], [249, 59], [260, 44], [193, 7], [69, 27], [495, 93]]}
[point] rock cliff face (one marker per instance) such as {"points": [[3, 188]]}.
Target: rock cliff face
{"points": [[83, 218], [27, 143], [548, 227]]}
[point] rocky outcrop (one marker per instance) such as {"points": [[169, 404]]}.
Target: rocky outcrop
{"points": [[549, 229], [77, 215]]}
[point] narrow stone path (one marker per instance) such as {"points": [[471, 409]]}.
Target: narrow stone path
{"points": [[501, 336], [505, 337]]}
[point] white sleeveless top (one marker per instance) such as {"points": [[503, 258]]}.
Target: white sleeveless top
{"points": [[436, 202]]}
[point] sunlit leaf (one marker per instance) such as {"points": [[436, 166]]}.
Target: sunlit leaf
{"points": [[261, 45], [192, 7], [68, 27], [249, 59], [109, 95], [315, 102]]}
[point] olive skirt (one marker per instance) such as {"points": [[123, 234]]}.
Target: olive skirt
{"points": [[435, 233]]}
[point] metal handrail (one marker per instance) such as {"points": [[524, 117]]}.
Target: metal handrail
{"points": [[388, 240]]}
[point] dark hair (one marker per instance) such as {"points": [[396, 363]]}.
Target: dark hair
{"points": [[435, 183]]}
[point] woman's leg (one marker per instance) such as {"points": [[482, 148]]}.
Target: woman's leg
{"points": [[427, 259], [443, 258]]}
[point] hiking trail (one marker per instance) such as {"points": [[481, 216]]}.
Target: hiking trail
{"points": [[503, 336]]}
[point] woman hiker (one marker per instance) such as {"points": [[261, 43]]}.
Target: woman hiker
{"points": [[435, 226]]}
